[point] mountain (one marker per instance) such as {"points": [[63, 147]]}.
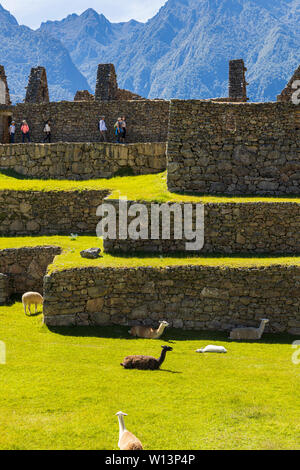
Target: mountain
{"points": [[23, 48], [183, 51]]}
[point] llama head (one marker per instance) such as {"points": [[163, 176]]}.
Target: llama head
{"points": [[164, 323], [120, 413], [265, 320], [167, 348]]}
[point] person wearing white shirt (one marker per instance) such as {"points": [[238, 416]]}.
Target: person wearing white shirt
{"points": [[47, 131], [12, 132], [102, 129]]}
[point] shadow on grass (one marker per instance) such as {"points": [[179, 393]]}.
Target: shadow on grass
{"points": [[235, 196], [171, 336]]}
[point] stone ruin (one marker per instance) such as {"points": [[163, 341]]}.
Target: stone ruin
{"points": [[84, 95], [237, 81], [4, 100], [107, 86], [4, 90], [37, 89]]}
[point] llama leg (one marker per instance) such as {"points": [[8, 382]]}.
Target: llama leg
{"points": [[29, 309], [25, 309]]}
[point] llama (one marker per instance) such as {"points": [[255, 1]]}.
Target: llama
{"points": [[249, 333], [31, 298], [212, 349], [147, 332], [145, 362], [127, 440]]}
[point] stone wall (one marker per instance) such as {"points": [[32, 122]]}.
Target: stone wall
{"points": [[49, 212], [288, 91], [26, 267], [4, 90], [239, 149], [82, 161], [77, 121], [189, 297], [237, 80], [37, 88], [229, 228], [4, 289]]}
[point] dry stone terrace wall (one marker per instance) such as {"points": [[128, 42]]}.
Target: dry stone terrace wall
{"points": [[147, 120], [4, 289], [229, 228], [80, 161], [189, 297], [227, 148], [49, 212], [25, 268]]}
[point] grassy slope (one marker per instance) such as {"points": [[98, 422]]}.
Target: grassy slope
{"points": [[144, 188], [71, 255], [60, 389]]}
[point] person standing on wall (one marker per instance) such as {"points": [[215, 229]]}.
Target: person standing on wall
{"points": [[102, 129], [119, 130], [124, 129], [47, 131], [25, 131], [12, 132]]}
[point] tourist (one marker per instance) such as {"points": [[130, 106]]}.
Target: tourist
{"points": [[124, 129], [25, 131], [47, 131], [102, 129], [119, 130], [12, 132]]}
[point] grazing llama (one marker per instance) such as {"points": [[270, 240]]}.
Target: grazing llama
{"points": [[127, 440], [146, 362], [31, 298], [147, 332], [249, 333]]}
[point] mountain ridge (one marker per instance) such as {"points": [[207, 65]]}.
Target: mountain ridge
{"points": [[183, 51]]}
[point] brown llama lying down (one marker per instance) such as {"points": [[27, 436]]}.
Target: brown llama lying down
{"points": [[127, 440], [31, 298], [145, 362], [148, 332]]}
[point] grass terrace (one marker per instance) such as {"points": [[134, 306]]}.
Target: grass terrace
{"points": [[136, 188], [70, 257]]}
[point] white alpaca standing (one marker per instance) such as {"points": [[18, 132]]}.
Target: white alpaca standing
{"points": [[31, 298], [127, 440], [249, 333]]}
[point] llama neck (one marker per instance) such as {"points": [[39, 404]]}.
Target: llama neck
{"points": [[261, 328], [162, 357], [122, 427], [160, 330]]}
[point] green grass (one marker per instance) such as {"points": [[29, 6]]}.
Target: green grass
{"points": [[71, 258], [138, 188], [60, 389]]}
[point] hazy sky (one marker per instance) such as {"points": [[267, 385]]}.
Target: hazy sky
{"points": [[32, 12]]}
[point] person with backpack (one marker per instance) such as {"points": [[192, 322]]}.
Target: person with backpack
{"points": [[119, 130], [47, 131], [25, 131], [124, 129]]}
